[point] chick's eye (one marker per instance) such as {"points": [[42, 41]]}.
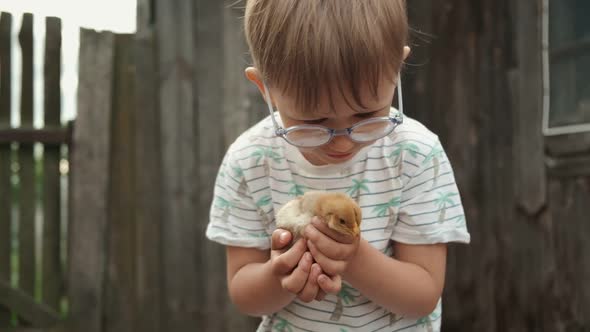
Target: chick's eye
{"points": [[342, 222]]}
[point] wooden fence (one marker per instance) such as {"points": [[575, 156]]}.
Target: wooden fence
{"points": [[156, 111], [32, 279]]}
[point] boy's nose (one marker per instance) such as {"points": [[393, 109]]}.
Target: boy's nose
{"points": [[342, 144]]}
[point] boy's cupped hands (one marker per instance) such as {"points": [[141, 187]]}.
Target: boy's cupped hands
{"points": [[313, 265]]}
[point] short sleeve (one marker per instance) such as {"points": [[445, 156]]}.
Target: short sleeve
{"points": [[235, 218], [430, 209]]}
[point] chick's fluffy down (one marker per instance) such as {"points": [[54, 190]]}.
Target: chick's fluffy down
{"points": [[340, 212]]}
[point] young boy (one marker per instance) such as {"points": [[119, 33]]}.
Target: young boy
{"points": [[330, 68]]}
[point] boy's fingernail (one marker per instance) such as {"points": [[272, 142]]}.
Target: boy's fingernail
{"points": [[283, 237]]}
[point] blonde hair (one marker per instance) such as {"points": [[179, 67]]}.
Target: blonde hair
{"points": [[306, 47]]}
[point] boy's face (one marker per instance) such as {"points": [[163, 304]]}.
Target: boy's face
{"points": [[336, 112], [342, 113]]}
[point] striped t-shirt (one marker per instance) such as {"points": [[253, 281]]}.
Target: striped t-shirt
{"points": [[403, 183]]}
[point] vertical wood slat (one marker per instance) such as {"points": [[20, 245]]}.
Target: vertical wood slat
{"points": [[209, 30], [242, 107], [90, 160], [179, 126], [530, 145], [5, 169], [147, 173], [27, 193], [120, 305], [51, 263]]}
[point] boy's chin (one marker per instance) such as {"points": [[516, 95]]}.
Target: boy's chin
{"points": [[320, 159]]}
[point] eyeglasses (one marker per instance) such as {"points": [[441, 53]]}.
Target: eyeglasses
{"points": [[311, 136]]}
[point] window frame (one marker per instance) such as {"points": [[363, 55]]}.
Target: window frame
{"points": [[547, 129]]}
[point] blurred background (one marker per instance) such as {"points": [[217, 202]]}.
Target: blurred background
{"points": [[115, 115]]}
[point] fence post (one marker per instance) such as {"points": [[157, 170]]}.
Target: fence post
{"points": [[89, 183], [52, 274], [5, 170], [179, 173], [147, 174], [26, 190]]}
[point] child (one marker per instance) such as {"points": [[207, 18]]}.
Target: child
{"points": [[330, 69]]}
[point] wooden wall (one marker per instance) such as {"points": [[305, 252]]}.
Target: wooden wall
{"points": [[476, 81]]}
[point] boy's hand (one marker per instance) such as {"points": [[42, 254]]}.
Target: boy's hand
{"points": [[294, 267], [330, 249]]}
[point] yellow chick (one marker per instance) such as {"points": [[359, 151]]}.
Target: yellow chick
{"points": [[340, 212]]}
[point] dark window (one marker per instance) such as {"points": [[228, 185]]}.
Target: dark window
{"points": [[568, 58]]}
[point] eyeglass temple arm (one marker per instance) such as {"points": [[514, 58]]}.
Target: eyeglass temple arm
{"points": [[400, 98], [269, 104]]}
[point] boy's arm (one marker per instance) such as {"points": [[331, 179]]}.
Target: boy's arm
{"points": [[262, 282], [252, 286], [410, 284]]}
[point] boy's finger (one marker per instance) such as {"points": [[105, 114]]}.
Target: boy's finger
{"points": [[311, 287], [329, 247], [286, 262], [330, 266], [321, 226], [330, 285], [295, 282], [280, 239]]}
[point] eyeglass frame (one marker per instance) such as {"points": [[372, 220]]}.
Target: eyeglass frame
{"points": [[397, 120]]}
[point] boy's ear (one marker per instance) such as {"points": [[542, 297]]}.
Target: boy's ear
{"points": [[406, 52], [253, 75]]}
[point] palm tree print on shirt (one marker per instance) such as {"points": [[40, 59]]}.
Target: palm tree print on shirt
{"points": [[397, 153], [238, 172], [260, 204], [435, 155], [357, 187], [443, 201], [296, 189], [223, 204], [344, 296], [425, 322], [283, 326], [265, 152], [411, 148], [388, 208]]}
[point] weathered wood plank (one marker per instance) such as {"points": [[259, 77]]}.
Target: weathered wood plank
{"points": [[565, 301], [120, 283], [459, 91], [56, 328], [564, 145], [180, 183], [90, 160], [52, 274], [26, 306], [147, 173], [242, 107], [572, 166], [210, 36], [179, 152], [47, 136], [5, 157], [27, 193], [528, 136]]}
